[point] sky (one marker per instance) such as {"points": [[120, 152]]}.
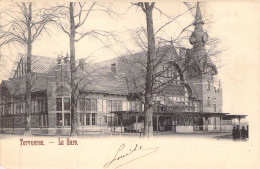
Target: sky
{"points": [[235, 24]]}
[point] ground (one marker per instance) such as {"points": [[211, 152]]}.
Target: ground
{"points": [[215, 135]]}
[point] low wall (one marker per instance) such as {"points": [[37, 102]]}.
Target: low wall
{"points": [[213, 128], [226, 128], [59, 131], [184, 129]]}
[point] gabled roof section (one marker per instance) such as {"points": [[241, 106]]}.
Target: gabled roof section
{"points": [[133, 66], [17, 86], [40, 64]]}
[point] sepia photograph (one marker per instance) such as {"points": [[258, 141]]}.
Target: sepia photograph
{"points": [[114, 84]]}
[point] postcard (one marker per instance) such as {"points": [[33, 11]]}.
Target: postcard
{"points": [[119, 84]]}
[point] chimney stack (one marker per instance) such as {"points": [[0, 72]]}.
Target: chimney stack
{"points": [[82, 64], [59, 59], [113, 68], [66, 58], [182, 52]]}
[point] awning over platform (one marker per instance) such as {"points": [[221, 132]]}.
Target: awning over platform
{"points": [[171, 114]]}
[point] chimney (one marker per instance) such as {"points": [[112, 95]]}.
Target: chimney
{"points": [[59, 59], [66, 58], [182, 52], [113, 68], [82, 64]]}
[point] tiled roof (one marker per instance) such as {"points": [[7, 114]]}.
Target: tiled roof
{"points": [[103, 80], [132, 67], [17, 86], [40, 64]]}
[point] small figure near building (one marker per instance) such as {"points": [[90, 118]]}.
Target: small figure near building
{"points": [[234, 132], [243, 133], [247, 132]]}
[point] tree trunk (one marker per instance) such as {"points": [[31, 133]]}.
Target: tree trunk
{"points": [[28, 75], [148, 107], [74, 117]]}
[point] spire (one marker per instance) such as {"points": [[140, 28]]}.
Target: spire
{"points": [[198, 17]]}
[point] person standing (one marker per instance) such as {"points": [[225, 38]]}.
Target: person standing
{"points": [[234, 133], [243, 133], [247, 132], [237, 133]]}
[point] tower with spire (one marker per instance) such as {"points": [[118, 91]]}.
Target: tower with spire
{"points": [[200, 70]]}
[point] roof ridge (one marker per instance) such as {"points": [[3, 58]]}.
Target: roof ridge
{"points": [[36, 55]]}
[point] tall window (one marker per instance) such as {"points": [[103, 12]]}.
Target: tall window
{"points": [[93, 104], [208, 86], [119, 105], [215, 108], [58, 119], [82, 105], [66, 119], [208, 101], [196, 106], [81, 118], [66, 103], [63, 116], [109, 105], [58, 104], [88, 119], [94, 118], [215, 122], [88, 105], [43, 120], [114, 105]]}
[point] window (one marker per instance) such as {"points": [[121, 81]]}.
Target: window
{"points": [[66, 103], [208, 101], [114, 105], [82, 105], [119, 105], [59, 119], [13, 109], [94, 118], [66, 119], [196, 107], [215, 108], [215, 122], [7, 108], [43, 120], [40, 105], [109, 105], [93, 104], [58, 104], [43, 105], [88, 105], [88, 119], [208, 86], [81, 119]]}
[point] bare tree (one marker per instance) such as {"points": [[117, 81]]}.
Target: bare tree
{"points": [[23, 27], [71, 19], [156, 50]]}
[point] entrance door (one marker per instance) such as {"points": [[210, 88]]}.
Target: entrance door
{"points": [[198, 124]]}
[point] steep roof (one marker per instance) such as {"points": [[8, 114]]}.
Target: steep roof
{"points": [[17, 86], [40, 64], [103, 80], [132, 67]]}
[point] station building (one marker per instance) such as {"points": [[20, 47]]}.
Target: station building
{"points": [[187, 98]]}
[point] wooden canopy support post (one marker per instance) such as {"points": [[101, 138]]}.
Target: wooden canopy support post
{"points": [[220, 121], [157, 123], [239, 122], [136, 120], [206, 123]]}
